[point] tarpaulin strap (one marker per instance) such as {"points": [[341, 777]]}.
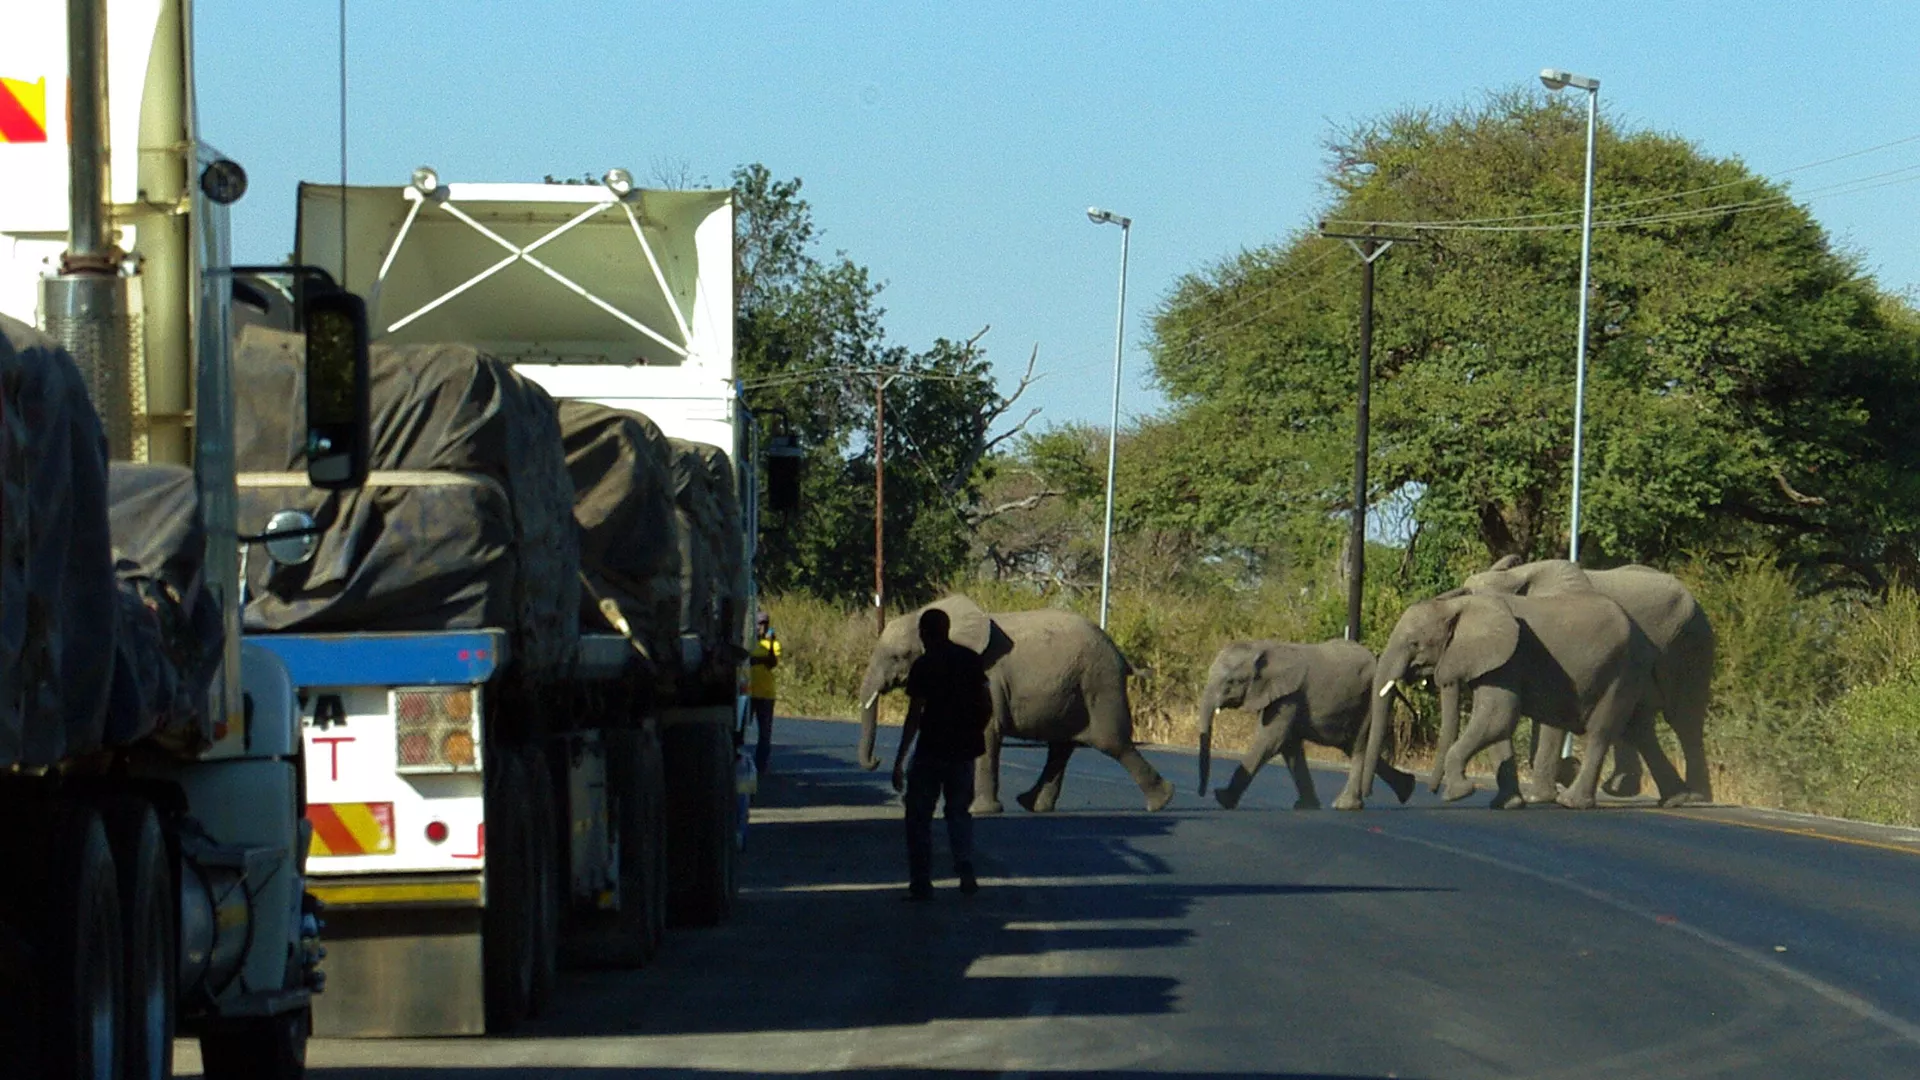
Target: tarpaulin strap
{"points": [[378, 478], [610, 611]]}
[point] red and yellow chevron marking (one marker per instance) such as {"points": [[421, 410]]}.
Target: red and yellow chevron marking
{"points": [[355, 828], [23, 111]]}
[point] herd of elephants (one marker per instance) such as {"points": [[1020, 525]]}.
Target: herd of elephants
{"points": [[1598, 653]]}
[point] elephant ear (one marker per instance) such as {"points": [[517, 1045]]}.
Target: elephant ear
{"points": [[1506, 562], [972, 627], [1277, 673], [1484, 635]]}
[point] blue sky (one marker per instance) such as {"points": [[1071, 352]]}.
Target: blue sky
{"points": [[953, 149]]}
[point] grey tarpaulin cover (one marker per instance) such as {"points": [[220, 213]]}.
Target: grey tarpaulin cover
{"points": [[170, 629], [467, 521], [709, 511], [57, 594], [623, 498]]}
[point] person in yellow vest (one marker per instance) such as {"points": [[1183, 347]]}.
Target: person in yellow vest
{"points": [[761, 683]]}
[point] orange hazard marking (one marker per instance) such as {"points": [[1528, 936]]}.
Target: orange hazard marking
{"points": [[23, 111], [351, 828]]}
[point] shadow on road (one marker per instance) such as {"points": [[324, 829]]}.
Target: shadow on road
{"points": [[888, 1073]]}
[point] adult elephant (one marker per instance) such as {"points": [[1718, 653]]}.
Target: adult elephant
{"points": [[1304, 694], [1055, 678], [1677, 626], [1574, 662]]}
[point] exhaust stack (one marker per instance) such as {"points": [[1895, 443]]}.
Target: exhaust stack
{"points": [[89, 307]]}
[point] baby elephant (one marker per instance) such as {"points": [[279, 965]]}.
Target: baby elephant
{"points": [[1303, 693]]}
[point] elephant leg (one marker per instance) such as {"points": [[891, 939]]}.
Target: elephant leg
{"points": [[1643, 741], [1507, 794], [1158, 790], [1688, 719], [1110, 731], [1495, 712], [1296, 757], [1449, 731], [1399, 780], [986, 774], [1541, 785], [1266, 743], [1627, 779], [1609, 719], [1045, 793]]}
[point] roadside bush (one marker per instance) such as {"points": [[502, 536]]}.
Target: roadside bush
{"points": [[1816, 701]]}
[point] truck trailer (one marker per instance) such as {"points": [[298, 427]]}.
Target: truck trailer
{"points": [[518, 649], [151, 798]]}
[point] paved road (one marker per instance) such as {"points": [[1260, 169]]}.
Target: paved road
{"points": [[1420, 942]]}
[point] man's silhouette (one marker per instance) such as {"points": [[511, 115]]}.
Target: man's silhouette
{"points": [[948, 711]]}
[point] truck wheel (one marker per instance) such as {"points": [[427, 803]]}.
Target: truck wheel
{"points": [[623, 938], [146, 919], [547, 850], [653, 773], [81, 931], [507, 923], [267, 1048], [699, 764]]}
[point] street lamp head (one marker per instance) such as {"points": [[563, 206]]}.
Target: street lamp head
{"points": [[1107, 217], [1556, 79]]}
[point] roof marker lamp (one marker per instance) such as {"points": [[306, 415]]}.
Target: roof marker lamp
{"points": [[618, 181], [425, 181]]}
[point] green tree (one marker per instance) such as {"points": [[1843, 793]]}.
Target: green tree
{"points": [[1748, 386], [810, 343]]}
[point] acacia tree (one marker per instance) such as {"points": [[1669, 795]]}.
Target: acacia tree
{"points": [[1748, 385]]}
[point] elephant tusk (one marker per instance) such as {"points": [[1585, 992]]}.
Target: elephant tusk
{"points": [[871, 701], [1386, 688]]}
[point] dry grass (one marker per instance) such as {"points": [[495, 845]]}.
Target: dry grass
{"points": [[1816, 699]]}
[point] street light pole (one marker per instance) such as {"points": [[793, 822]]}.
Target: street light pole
{"points": [[1106, 217], [1557, 80]]}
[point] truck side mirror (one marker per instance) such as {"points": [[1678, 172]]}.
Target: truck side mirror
{"points": [[337, 389], [784, 457]]}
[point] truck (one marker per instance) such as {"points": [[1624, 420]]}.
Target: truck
{"points": [[151, 788], [519, 648]]}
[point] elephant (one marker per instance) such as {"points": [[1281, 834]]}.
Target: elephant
{"points": [[1054, 677], [1573, 661], [1303, 693], [1666, 612]]}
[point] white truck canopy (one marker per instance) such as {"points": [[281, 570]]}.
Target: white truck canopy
{"points": [[623, 299]]}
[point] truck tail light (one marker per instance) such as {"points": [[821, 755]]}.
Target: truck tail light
{"points": [[434, 730]]}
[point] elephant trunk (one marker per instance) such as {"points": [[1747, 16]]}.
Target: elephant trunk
{"points": [[1449, 730], [870, 690], [1209, 704], [1391, 668]]}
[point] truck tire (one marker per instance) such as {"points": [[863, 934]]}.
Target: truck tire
{"points": [[264, 1048], [548, 898], [625, 937], [80, 929], [146, 886], [700, 834], [507, 923]]}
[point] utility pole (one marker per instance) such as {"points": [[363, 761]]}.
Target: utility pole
{"points": [[882, 378], [1369, 247], [880, 500]]}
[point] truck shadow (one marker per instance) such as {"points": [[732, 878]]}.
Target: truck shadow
{"points": [[667, 1073], [820, 941]]}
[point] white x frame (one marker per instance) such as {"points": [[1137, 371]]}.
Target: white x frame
{"points": [[518, 253]]}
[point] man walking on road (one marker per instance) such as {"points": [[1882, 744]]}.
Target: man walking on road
{"points": [[948, 710], [761, 684]]}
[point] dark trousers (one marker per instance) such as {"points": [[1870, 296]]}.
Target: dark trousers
{"points": [[930, 779], [763, 718]]}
